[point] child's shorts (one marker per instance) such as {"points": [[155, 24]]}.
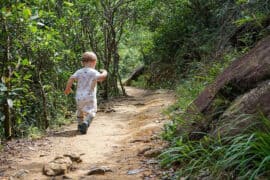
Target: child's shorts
{"points": [[86, 107]]}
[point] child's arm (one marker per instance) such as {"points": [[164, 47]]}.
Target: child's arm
{"points": [[103, 75], [68, 86]]}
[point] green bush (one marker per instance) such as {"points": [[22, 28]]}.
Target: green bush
{"points": [[141, 82], [34, 132]]}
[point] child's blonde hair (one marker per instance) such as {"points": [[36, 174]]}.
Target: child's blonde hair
{"points": [[89, 56]]}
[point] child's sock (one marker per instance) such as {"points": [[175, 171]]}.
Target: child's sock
{"points": [[89, 119], [80, 121]]}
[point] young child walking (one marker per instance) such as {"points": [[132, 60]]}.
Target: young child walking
{"points": [[86, 100]]}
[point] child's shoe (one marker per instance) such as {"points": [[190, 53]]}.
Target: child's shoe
{"points": [[83, 127], [79, 127]]}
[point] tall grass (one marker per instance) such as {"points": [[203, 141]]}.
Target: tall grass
{"points": [[244, 156]]}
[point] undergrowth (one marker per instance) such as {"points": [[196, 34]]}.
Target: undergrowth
{"points": [[189, 88], [141, 82], [244, 156], [34, 132]]}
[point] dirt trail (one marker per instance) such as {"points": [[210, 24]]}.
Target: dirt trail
{"points": [[114, 139]]}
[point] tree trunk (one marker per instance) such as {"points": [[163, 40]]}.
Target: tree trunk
{"points": [[7, 75], [116, 59], [135, 75], [44, 103], [121, 84], [7, 121]]}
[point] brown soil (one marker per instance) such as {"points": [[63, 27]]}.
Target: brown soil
{"points": [[114, 139]]}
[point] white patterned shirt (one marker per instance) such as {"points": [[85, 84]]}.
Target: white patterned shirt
{"points": [[86, 85]]}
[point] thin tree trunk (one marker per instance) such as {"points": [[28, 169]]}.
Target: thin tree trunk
{"points": [[121, 84], [7, 120], [44, 103]]}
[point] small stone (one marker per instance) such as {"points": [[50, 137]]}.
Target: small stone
{"points": [[43, 155], [154, 137], [21, 173], [135, 171], [153, 152], [152, 161], [74, 157], [147, 174], [144, 140], [139, 104], [66, 177], [31, 148], [11, 167], [99, 170], [142, 151]]}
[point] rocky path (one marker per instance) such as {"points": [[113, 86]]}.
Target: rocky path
{"points": [[123, 138]]}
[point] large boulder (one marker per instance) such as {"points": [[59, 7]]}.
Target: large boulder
{"points": [[243, 75], [244, 112]]}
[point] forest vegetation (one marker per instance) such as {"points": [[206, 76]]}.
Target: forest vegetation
{"points": [[183, 45]]}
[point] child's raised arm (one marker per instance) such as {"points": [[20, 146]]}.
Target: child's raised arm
{"points": [[68, 86], [103, 75]]}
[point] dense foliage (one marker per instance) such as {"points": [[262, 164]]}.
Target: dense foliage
{"points": [[188, 31], [41, 45], [183, 44]]}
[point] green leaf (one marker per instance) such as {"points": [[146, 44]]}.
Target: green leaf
{"points": [[27, 76], [243, 20], [17, 89], [5, 12], [47, 87], [242, 2], [68, 4], [16, 75], [33, 29], [40, 24], [27, 13], [25, 62], [49, 37], [20, 5]]}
